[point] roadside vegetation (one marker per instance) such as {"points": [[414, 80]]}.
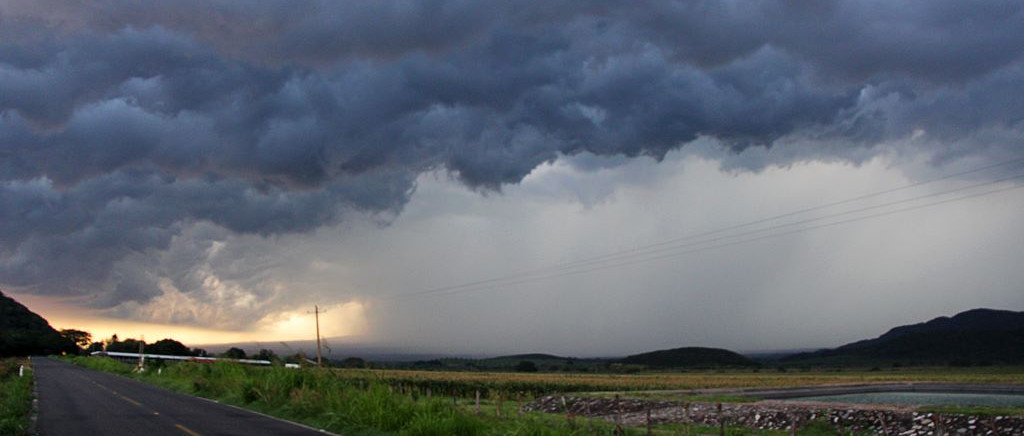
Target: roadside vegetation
{"points": [[387, 402], [15, 397]]}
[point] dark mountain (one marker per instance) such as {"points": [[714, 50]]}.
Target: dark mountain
{"points": [[23, 332], [689, 357], [979, 336]]}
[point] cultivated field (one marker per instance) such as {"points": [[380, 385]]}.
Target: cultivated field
{"points": [[534, 384]]}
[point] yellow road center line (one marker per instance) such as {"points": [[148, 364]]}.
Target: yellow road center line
{"points": [[130, 400], [118, 394], [187, 431]]}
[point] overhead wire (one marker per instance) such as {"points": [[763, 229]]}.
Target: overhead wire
{"points": [[637, 255], [617, 254], [712, 247]]}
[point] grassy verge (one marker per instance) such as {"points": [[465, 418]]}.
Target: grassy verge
{"points": [[15, 397]]}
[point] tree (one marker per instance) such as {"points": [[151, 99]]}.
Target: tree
{"points": [[526, 366], [354, 362], [95, 346], [198, 352], [79, 338], [125, 346], [265, 354], [169, 347], [235, 353]]}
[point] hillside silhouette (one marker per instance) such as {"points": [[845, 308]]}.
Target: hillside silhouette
{"points": [[23, 332], [974, 337]]}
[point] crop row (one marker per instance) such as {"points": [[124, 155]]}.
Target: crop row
{"points": [[517, 385]]}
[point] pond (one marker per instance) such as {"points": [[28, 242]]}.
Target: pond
{"points": [[921, 399]]}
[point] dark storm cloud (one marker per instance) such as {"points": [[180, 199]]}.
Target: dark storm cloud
{"points": [[122, 123]]}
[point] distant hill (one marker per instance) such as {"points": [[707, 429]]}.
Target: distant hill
{"points": [[689, 357], [23, 332], [979, 336], [531, 356]]}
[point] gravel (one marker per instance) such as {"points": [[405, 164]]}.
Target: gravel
{"points": [[780, 415]]}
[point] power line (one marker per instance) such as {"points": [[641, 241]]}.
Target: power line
{"points": [[639, 250], [674, 244], [457, 290]]}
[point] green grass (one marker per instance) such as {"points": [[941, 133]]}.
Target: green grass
{"points": [[15, 397]]}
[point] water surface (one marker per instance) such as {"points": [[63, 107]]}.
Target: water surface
{"points": [[921, 399]]}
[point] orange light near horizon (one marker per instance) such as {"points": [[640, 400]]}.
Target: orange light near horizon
{"points": [[344, 319]]}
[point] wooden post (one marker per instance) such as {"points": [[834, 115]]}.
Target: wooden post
{"points": [[478, 401], [618, 416], [792, 425], [498, 409], [650, 430], [721, 421]]}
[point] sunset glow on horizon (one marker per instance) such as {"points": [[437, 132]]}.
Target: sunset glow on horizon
{"points": [[337, 320]]}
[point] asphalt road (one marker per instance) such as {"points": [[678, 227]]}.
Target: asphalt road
{"points": [[78, 401]]}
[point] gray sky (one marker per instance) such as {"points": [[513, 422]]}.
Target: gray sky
{"points": [[222, 166]]}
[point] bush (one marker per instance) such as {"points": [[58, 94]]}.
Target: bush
{"points": [[526, 366]]}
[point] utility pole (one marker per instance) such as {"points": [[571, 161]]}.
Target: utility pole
{"points": [[319, 356], [142, 357]]}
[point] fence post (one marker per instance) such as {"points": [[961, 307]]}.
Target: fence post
{"points": [[721, 421], [21, 371], [650, 430], [618, 416], [478, 401]]}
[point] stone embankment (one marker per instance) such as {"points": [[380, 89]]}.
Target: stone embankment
{"points": [[779, 415]]}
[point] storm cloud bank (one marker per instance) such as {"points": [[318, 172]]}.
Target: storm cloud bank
{"points": [[126, 125]]}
